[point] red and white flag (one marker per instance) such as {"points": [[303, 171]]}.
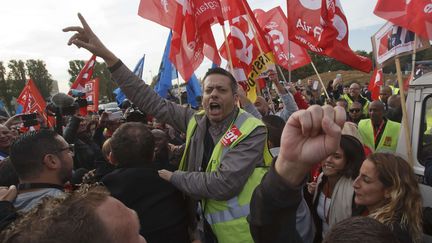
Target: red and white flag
{"points": [[85, 75], [321, 26], [275, 26], [415, 15], [32, 101], [162, 12], [92, 95], [248, 61], [375, 83]]}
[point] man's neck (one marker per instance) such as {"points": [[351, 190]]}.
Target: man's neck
{"points": [[377, 123]]}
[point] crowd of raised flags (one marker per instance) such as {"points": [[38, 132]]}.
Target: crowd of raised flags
{"points": [[257, 41]]}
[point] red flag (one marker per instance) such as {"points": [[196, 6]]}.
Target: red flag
{"points": [[192, 37], [321, 26], [32, 101], [232, 8], [248, 62], [162, 12], [92, 95], [85, 75], [275, 25], [375, 83], [415, 15]]}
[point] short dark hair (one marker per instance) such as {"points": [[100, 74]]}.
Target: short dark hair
{"points": [[28, 151], [65, 219], [354, 155], [358, 230], [275, 126], [8, 175], [218, 70], [132, 144]]}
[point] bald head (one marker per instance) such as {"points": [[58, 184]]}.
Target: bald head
{"points": [[394, 101], [376, 112], [385, 93], [354, 90]]}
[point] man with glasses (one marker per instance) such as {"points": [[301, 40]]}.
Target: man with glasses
{"points": [[355, 113], [354, 95], [43, 161]]}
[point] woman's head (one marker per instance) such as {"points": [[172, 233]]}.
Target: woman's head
{"points": [[346, 161], [388, 188]]}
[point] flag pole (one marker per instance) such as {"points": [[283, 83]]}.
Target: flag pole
{"points": [[413, 59], [319, 77], [289, 51], [178, 89], [228, 48], [404, 112], [281, 73]]}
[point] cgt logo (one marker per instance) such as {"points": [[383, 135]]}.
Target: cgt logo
{"points": [[428, 8]]}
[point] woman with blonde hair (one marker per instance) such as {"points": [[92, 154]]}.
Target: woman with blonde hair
{"points": [[388, 188]]}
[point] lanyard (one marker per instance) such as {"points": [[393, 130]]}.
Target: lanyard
{"points": [[376, 133]]}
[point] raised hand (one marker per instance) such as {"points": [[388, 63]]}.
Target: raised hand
{"points": [[308, 137], [85, 38]]}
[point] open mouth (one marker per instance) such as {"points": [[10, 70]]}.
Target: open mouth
{"points": [[214, 106]]}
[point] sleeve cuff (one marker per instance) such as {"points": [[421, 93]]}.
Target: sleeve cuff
{"points": [[116, 66]]}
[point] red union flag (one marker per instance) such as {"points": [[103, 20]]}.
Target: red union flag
{"points": [[248, 62], [32, 101], [375, 83], [160, 11], [275, 25], [321, 26], [85, 75], [190, 41], [415, 15]]}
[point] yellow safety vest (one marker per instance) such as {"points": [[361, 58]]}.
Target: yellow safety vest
{"points": [[389, 138], [365, 109], [228, 218], [395, 91]]}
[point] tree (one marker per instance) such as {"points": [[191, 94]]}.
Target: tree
{"points": [[5, 89], [16, 76], [37, 71]]}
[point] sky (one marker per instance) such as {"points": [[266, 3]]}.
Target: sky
{"points": [[33, 30]]}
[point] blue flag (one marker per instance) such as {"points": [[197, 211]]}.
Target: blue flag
{"points": [[193, 89], [138, 71], [167, 72]]}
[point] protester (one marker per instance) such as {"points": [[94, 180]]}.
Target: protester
{"points": [[355, 113], [378, 133], [387, 186], [160, 206], [43, 161], [6, 139], [222, 183], [87, 152], [385, 93], [360, 230], [304, 223], [333, 192], [394, 112], [89, 215], [354, 95], [7, 211], [8, 175], [309, 136]]}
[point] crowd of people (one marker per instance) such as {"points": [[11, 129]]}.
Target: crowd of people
{"points": [[290, 167]]}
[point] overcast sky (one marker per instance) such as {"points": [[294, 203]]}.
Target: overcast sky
{"points": [[33, 30]]}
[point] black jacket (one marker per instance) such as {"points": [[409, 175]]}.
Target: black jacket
{"points": [[273, 209], [160, 206]]}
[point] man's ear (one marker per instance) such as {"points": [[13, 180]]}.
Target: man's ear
{"points": [[111, 159], [51, 161]]}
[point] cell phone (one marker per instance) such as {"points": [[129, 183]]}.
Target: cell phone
{"points": [[29, 123], [26, 117], [315, 85], [115, 116]]}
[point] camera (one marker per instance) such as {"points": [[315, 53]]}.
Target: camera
{"points": [[65, 105], [29, 120]]}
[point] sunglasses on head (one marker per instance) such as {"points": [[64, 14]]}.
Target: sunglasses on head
{"points": [[354, 110]]}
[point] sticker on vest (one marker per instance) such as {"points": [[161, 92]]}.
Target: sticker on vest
{"points": [[231, 136], [387, 141]]}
